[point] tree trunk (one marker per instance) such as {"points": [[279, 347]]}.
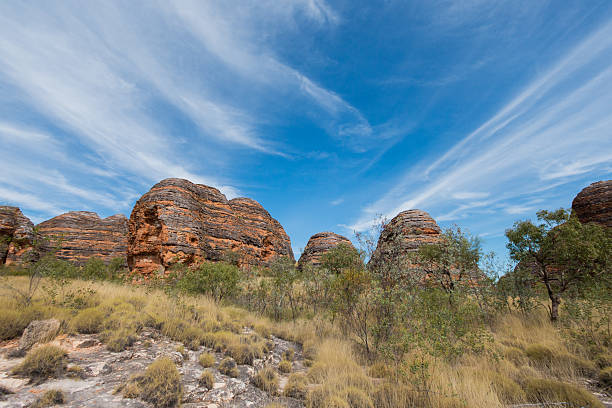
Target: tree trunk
{"points": [[554, 308]]}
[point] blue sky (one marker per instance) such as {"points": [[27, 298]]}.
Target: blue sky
{"points": [[329, 113]]}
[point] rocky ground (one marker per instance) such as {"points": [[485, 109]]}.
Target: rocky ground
{"points": [[104, 371]]}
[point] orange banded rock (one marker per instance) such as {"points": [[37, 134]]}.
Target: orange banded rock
{"points": [[179, 221], [318, 245]]}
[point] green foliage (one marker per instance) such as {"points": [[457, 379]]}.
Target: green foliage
{"points": [[49, 399], [547, 391], [343, 256], [266, 380], [561, 252], [43, 362], [218, 280]]}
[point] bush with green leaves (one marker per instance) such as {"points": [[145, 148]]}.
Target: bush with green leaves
{"points": [[218, 280]]}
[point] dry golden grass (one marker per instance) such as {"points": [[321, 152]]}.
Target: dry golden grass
{"points": [[524, 351]]}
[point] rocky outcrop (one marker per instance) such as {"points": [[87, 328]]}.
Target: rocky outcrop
{"points": [[80, 235], [16, 235], [594, 203], [318, 245], [179, 221], [403, 235]]}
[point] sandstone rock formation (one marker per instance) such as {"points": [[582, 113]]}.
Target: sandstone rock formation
{"points": [[16, 235], [403, 235], [318, 245], [179, 221], [594, 203], [80, 235]]}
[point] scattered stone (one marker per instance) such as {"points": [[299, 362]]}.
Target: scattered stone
{"points": [[88, 343]]}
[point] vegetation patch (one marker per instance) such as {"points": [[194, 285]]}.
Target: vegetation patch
{"points": [[43, 362], [605, 377], [160, 384], [229, 367], [207, 379], [88, 321], [49, 399], [297, 386], [285, 366], [550, 391], [266, 380], [207, 360]]}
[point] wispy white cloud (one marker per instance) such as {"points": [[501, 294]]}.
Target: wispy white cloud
{"points": [[337, 201], [556, 128]]}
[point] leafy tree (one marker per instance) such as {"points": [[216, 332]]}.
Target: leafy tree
{"points": [[218, 280], [561, 252], [451, 262], [341, 257]]}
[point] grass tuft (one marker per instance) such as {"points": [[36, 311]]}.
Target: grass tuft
{"points": [[207, 379], [285, 366], [49, 399], [43, 362], [297, 386], [544, 391], [88, 321], [160, 384], [266, 380], [228, 367], [207, 360]]}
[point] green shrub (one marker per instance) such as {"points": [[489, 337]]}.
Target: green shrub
{"points": [[95, 269], [88, 321], [228, 367], [297, 386], [207, 360], [218, 280], [266, 380], [43, 362], [545, 391], [49, 399], [161, 384], [605, 377], [285, 366]]}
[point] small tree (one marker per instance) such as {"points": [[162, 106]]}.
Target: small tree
{"points": [[452, 261], [560, 252]]}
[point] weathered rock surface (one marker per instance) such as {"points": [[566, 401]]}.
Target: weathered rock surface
{"points": [[80, 235], [38, 331], [403, 235], [594, 203], [104, 371], [318, 245], [179, 221], [16, 235]]}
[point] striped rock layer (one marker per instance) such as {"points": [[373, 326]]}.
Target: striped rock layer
{"points": [[404, 234], [80, 235], [16, 235], [594, 203], [318, 245], [179, 221]]}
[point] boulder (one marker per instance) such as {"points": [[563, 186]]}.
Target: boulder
{"points": [[16, 235], [318, 245], [594, 203], [403, 235], [38, 331], [80, 235], [179, 221]]}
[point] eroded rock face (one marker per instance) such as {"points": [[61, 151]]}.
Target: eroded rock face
{"points": [[594, 203], [80, 235], [16, 235], [404, 234], [318, 245], [179, 221]]}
